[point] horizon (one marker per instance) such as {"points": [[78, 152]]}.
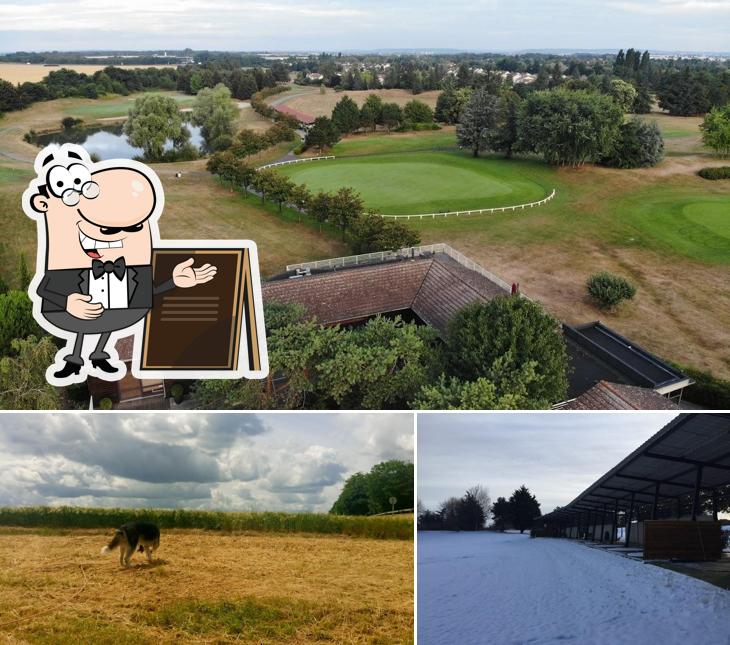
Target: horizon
{"points": [[354, 25]]}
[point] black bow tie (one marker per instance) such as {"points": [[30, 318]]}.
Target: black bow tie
{"points": [[118, 267]]}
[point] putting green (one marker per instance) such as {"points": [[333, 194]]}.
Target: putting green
{"points": [[695, 226], [424, 182]]}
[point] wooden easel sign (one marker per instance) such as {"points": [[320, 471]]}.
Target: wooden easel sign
{"points": [[215, 331]]}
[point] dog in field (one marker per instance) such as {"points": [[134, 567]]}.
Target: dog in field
{"points": [[144, 536]]}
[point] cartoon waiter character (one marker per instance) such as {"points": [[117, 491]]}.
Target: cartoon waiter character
{"points": [[97, 224]]}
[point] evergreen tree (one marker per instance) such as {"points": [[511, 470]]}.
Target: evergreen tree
{"points": [[392, 115], [478, 121], [524, 508], [346, 115], [639, 144], [501, 514], [506, 132], [24, 275], [322, 134]]}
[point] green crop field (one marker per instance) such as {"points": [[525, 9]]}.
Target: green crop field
{"points": [[66, 517], [426, 182]]}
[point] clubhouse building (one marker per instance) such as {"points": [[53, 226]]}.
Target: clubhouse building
{"points": [[428, 285]]}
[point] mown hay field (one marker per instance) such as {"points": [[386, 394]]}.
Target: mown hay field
{"points": [[205, 587], [22, 73]]}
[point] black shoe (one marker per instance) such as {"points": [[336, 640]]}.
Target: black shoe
{"points": [[67, 370], [103, 365]]}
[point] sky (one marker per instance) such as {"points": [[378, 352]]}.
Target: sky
{"points": [[231, 462], [557, 456], [326, 25]]}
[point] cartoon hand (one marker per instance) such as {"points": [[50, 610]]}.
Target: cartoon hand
{"points": [[185, 276], [80, 306]]}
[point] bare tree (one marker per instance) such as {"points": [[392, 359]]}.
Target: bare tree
{"points": [[481, 493]]}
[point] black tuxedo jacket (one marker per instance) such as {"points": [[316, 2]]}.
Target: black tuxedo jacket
{"points": [[57, 285]]}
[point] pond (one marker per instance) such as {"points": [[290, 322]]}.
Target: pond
{"points": [[108, 141]]}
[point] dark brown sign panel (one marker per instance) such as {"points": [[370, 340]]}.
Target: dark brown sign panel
{"points": [[199, 328]]}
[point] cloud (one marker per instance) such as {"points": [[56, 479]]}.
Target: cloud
{"points": [[673, 7], [227, 461]]}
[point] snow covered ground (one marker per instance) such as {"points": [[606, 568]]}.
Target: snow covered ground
{"points": [[507, 588]]}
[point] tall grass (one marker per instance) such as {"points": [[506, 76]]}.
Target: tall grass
{"points": [[69, 517]]}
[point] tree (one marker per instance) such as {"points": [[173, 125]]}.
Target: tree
{"points": [[481, 495], [24, 276], [367, 118], [300, 198], [264, 180], [506, 133], [214, 113], [354, 498], [372, 232], [569, 127], [346, 207], [279, 189], [448, 105], [716, 130], [388, 479], [471, 516], [16, 319], [247, 143], [320, 206], [417, 112], [9, 97], [517, 331], [323, 134], [524, 508], [392, 115], [23, 384], [153, 121], [375, 104], [477, 122], [639, 144], [346, 115], [644, 98], [501, 514], [624, 94], [683, 94]]}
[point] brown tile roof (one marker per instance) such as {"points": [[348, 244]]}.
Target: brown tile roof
{"points": [[434, 288], [615, 396]]}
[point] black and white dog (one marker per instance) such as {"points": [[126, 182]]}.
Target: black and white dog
{"points": [[132, 535]]}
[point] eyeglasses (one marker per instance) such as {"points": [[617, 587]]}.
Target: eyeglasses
{"points": [[71, 196]]}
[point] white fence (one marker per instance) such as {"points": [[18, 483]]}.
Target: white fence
{"points": [[480, 211], [291, 161], [410, 252]]}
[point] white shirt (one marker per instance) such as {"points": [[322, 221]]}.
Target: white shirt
{"points": [[109, 290]]}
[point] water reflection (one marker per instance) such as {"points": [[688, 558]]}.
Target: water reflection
{"points": [[108, 141]]}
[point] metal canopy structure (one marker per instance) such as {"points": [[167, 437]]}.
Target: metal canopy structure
{"points": [[688, 456]]}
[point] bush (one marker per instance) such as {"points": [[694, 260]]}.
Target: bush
{"points": [[723, 172], [639, 144], [106, 403], [70, 122], [16, 319], [609, 289], [707, 391], [176, 392]]}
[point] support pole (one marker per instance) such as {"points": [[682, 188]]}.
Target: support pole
{"points": [[603, 522], [614, 531], [629, 517], [714, 504], [679, 507], [655, 506], [696, 496]]}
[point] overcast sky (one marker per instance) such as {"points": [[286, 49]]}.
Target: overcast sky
{"points": [[556, 455], [243, 461], [367, 24]]}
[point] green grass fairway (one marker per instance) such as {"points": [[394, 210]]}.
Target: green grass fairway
{"points": [[695, 226], [119, 106], [426, 182], [389, 143]]}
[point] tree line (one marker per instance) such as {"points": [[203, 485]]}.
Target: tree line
{"points": [[370, 493], [474, 509]]}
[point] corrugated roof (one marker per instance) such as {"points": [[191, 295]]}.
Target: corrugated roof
{"points": [[669, 458]]}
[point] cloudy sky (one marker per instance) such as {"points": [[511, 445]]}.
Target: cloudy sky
{"points": [[367, 24], [242, 461], [557, 456]]}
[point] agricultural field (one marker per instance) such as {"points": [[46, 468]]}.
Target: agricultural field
{"points": [[22, 73], [205, 586], [311, 101]]}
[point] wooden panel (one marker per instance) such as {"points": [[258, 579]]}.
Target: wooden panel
{"points": [[682, 540]]}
